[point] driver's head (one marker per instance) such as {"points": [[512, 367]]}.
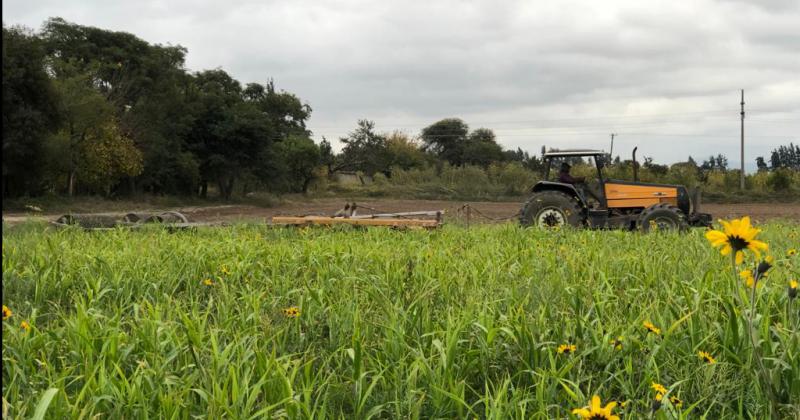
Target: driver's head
{"points": [[565, 167]]}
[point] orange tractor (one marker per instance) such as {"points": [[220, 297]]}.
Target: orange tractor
{"points": [[610, 203]]}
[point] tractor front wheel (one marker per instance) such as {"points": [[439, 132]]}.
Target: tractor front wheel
{"points": [[662, 217], [551, 209]]}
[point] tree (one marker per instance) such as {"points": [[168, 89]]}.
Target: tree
{"points": [[364, 150], [481, 149], [761, 164], [299, 157], [30, 113], [147, 88], [88, 124], [446, 139], [787, 156], [403, 152]]}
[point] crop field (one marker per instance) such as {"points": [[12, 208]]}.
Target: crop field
{"points": [[494, 321]]}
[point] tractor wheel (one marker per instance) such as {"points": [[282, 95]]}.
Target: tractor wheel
{"points": [[662, 217], [551, 209]]}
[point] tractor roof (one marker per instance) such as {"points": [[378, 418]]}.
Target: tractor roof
{"points": [[574, 152]]}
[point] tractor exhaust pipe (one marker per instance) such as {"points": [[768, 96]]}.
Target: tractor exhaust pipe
{"points": [[635, 166]]}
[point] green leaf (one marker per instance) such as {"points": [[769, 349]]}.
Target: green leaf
{"points": [[44, 403]]}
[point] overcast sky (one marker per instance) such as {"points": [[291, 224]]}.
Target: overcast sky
{"points": [[662, 75]]}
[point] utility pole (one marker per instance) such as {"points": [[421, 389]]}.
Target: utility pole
{"points": [[611, 153], [741, 175]]}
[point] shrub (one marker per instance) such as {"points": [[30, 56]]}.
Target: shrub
{"points": [[780, 180]]}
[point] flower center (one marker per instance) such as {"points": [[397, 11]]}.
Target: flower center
{"points": [[737, 243]]}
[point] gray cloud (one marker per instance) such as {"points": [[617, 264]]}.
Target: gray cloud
{"points": [[664, 75]]}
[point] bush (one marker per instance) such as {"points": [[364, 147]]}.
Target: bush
{"points": [[780, 180]]}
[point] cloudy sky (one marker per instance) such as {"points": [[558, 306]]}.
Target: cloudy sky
{"points": [[663, 75]]}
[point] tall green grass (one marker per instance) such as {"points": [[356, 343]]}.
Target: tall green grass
{"points": [[392, 324]]}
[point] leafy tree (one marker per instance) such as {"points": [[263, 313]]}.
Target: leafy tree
{"points": [[30, 113], [299, 157], [87, 116], [787, 156], [364, 150], [481, 148], [718, 162], [403, 152], [446, 139], [761, 164]]}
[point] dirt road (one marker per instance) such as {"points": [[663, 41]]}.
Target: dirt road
{"points": [[492, 210]]}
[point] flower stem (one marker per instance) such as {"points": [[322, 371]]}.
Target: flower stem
{"points": [[756, 354]]}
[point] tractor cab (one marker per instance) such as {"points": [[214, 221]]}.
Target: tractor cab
{"points": [[562, 198]]}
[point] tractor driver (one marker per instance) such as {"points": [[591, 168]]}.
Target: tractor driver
{"points": [[579, 182], [565, 178]]}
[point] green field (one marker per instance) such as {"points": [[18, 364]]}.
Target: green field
{"points": [[390, 324]]}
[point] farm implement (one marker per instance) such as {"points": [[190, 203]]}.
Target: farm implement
{"points": [[349, 216], [176, 220], [171, 219]]}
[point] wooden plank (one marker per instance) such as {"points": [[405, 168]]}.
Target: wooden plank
{"points": [[432, 213], [320, 220]]}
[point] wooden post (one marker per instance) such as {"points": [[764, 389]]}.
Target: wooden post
{"points": [[469, 214]]}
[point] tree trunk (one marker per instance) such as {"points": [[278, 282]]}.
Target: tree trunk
{"points": [[229, 188], [71, 184], [306, 184], [204, 189]]}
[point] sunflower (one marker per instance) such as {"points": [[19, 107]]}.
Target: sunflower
{"points": [[707, 357], [566, 349], [651, 328], [25, 326], [6, 312], [793, 289], [676, 402], [292, 312], [737, 237], [658, 388], [595, 411]]}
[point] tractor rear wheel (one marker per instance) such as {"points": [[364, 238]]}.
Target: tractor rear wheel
{"points": [[551, 209], [662, 217]]}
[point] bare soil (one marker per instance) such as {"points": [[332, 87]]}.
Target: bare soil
{"points": [[481, 211]]}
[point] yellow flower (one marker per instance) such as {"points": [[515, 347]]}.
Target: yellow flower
{"points": [[764, 266], [747, 276], [6, 312], [292, 312], [208, 282], [25, 326], [651, 328], [567, 348], [793, 289], [791, 253], [617, 344], [658, 388], [676, 402], [737, 237], [224, 269], [595, 411], [706, 356]]}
